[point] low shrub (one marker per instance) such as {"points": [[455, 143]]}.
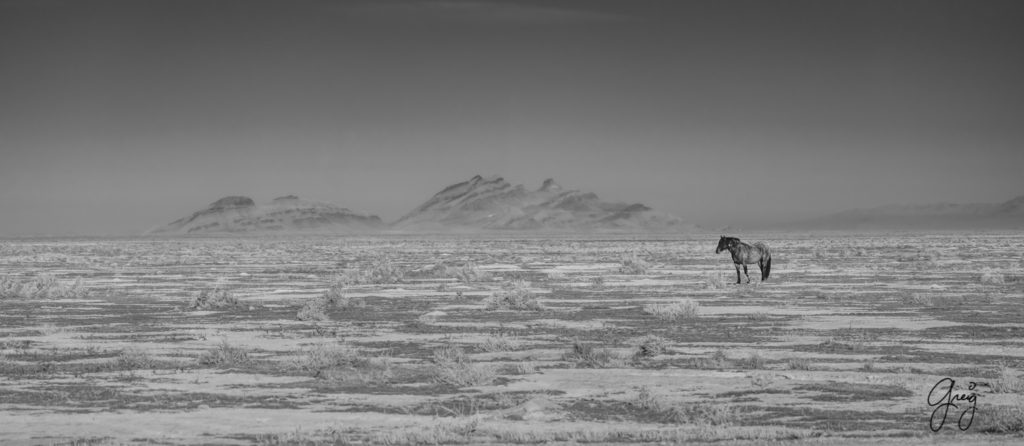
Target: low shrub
{"points": [[225, 356], [314, 309], [514, 295], [380, 270], [633, 264], [753, 361], [132, 359], [714, 414], [649, 346], [42, 286], [452, 366], [499, 343], [646, 400], [339, 362], [214, 299], [586, 356]]}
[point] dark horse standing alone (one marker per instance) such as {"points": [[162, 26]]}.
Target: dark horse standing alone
{"points": [[744, 254]]}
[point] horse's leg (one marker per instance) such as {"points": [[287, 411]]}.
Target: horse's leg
{"points": [[760, 266], [745, 273], [738, 273]]}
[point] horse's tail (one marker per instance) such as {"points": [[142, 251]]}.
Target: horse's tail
{"points": [[766, 258]]}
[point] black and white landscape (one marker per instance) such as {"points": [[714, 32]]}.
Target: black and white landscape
{"points": [[434, 222]]}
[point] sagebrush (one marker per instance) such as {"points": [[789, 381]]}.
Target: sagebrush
{"points": [[215, 299], [513, 295], [42, 286]]}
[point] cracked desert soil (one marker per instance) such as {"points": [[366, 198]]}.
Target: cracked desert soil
{"points": [[842, 345]]}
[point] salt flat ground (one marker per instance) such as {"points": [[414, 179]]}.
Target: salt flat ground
{"points": [[446, 340]]}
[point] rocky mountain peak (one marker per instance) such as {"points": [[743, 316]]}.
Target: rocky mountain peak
{"points": [[232, 202], [550, 185]]}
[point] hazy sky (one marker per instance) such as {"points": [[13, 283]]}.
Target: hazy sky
{"points": [[118, 116]]}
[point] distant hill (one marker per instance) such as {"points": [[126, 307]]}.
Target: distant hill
{"points": [[284, 215], [495, 204], [937, 216]]}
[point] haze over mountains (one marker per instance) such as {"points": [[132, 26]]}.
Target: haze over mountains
{"points": [[479, 204], [936, 216], [494, 204]]}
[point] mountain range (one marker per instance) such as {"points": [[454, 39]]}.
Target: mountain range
{"points": [[479, 204], [237, 214], [493, 204]]}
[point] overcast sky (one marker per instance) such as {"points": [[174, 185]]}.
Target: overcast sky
{"points": [[119, 116]]}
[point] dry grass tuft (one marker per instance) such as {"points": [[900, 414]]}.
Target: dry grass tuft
{"points": [[798, 364], [524, 368], [499, 343], [314, 309], [380, 270], [453, 366], [225, 356], [753, 361], [714, 280], [334, 297], [132, 359], [214, 299], [514, 295], [338, 362], [467, 272], [1007, 382], [586, 356], [717, 361], [992, 277], [42, 286], [458, 431], [646, 400], [649, 346], [681, 310], [633, 264], [999, 420], [706, 413]]}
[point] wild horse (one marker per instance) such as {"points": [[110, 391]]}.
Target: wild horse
{"points": [[744, 254]]}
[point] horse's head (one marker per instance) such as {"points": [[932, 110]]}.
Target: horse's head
{"points": [[725, 243]]}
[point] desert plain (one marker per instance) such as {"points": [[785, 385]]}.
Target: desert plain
{"points": [[509, 339]]}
